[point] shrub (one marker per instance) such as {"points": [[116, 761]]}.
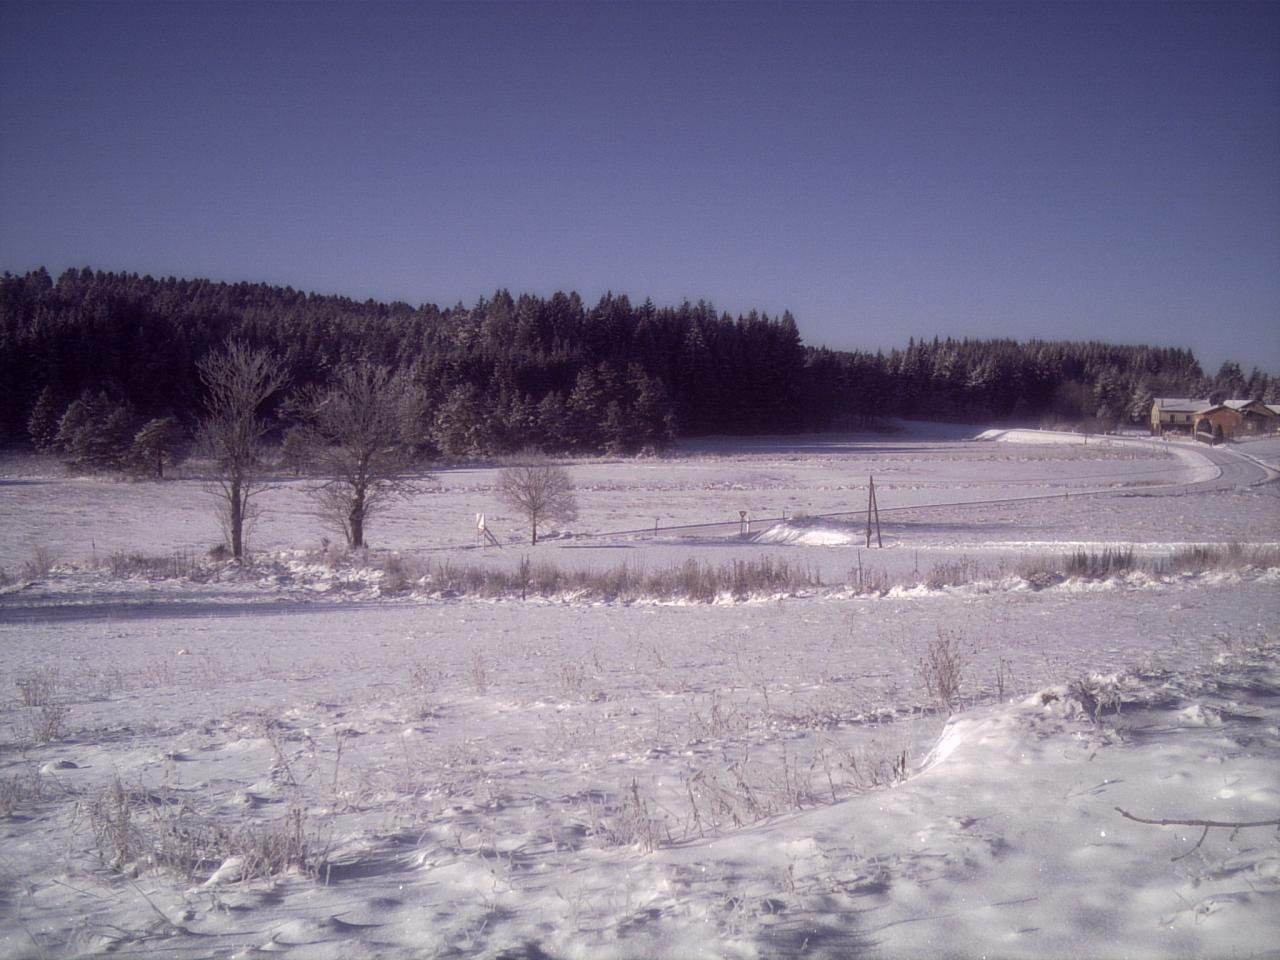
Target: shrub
{"points": [[40, 564]]}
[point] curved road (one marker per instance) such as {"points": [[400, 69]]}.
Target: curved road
{"points": [[1237, 470], [1233, 470]]}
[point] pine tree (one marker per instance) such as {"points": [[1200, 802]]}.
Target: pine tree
{"points": [[158, 443], [95, 432], [42, 425]]}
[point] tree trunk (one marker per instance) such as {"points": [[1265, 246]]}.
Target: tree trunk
{"points": [[237, 521], [355, 520]]}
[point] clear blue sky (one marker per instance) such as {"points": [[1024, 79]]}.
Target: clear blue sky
{"points": [[1092, 170]]}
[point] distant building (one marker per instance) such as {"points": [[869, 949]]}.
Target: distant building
{"points": [[1259, 417], [1175, 414], [1214, 422], [1217, 423]]}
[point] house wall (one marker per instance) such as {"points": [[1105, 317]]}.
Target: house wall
{"points": [[1227, 419], [1162, 420]]}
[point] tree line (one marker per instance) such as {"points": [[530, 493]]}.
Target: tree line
{"points": [[106, 367]]}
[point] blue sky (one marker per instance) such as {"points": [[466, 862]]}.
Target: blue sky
{"points": [[1106, 171]]}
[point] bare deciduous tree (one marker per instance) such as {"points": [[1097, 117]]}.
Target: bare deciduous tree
{"points": [[540, 490], [358, 434], [239, 379]]}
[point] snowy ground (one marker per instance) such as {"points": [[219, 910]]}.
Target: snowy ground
{"points": [[573, 778]]}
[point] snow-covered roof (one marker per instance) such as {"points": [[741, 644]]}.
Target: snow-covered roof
{"points": [[1181, 404], [1191, 405]]}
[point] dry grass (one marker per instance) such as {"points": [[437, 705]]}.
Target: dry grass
{"points": [[1229, 556], [20, 789], [953, 573], [38, 687], [40, 564], [688, 581], [179, 565], [941, 668], [874, 767], [1095, 565], [137, 829], [629, 822]]}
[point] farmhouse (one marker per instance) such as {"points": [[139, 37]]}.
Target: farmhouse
{"points": [[1212, 421], [1174, 414]]}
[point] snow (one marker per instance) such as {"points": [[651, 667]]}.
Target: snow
{"points": [[575, 778]]}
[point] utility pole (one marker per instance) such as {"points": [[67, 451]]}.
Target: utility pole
{"points": [[873, 509]]}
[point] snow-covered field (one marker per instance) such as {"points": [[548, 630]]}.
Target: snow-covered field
{"points": [[568, 776]]}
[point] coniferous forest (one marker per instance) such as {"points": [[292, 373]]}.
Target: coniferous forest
{"points": [[100, 362]]}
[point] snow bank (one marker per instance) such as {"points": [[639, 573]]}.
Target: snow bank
{"points": [[811, 533]]}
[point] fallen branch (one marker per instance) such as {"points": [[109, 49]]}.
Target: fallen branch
{"points": [[1207, 824]]}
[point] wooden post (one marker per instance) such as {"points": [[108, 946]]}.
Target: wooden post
{"points": [[875, 505]]}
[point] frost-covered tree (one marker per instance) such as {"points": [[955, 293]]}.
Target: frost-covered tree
{"points": [[359, 431], [239, 380], [459, 428], [159, 442], [540, 490], [42, 424], [95, 432]]}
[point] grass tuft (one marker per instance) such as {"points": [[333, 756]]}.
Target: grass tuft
{"points": [[941, 667], [1092, 565]]}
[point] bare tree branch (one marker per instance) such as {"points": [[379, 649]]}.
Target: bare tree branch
{"points": [[1199, 823], [1192, 822]]}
